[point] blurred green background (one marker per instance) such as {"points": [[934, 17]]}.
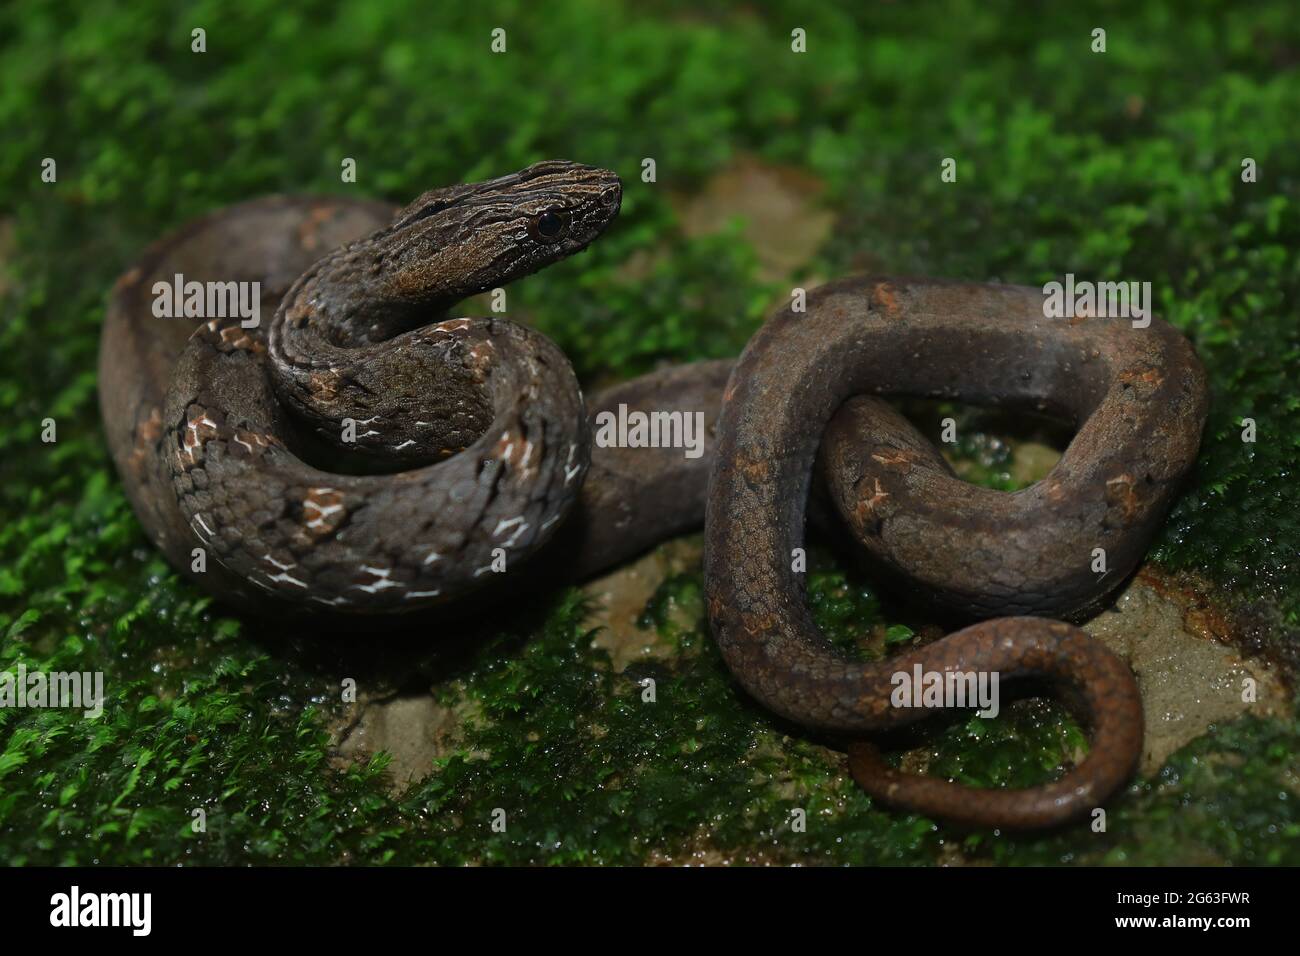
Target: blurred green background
{"points": [[1118, 164]]}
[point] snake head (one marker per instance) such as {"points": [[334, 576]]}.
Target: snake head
{"points": [[563, 206], [457, 242]]}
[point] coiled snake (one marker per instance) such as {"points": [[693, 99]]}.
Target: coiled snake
{"points": [[363, 453]]}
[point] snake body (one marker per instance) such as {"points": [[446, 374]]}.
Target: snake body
{"points": [[1138, 397], [363, 453]]}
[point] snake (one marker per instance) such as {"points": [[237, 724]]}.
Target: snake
{"points": [[364, 452]]}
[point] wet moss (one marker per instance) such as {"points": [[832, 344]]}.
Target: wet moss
{"points": [[1123, 164]]}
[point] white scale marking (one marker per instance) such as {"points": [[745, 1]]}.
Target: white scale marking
{"points": [[506, 523], [571, 473], [287, 579], [382, 583], [503, 524], [321, 513]]}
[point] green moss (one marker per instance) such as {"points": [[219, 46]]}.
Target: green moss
{"points": [[846, 608], [1227, 798], [1123, 164]]}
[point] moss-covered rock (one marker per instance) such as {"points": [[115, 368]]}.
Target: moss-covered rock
{"points": [[1126, 163]]}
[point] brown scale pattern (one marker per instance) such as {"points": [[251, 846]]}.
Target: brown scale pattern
{"points": [[1139, 396], [211, 434]]}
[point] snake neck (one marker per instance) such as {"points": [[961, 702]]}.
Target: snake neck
{"points": [[359, 346]]}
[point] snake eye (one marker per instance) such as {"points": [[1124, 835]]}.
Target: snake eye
{"points": [[549, 226]]}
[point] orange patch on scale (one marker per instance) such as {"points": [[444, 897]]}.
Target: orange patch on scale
{"points": [[323, 511], [451, 325], [236, 337], [1054, 490], [148, 431], [308, 232], [1122, 498], [1145, 375], [884, 299], [200, 428], [126, 279], [755, 470], [892, 458], [480, 356], [324, 385], [517, 452], [867, 506]]}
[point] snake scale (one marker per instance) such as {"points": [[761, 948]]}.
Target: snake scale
{"points": [[364, 453]]}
